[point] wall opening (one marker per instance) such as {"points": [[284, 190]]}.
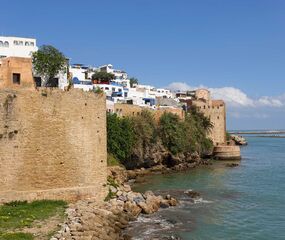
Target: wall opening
{"points": [[16, 78]]}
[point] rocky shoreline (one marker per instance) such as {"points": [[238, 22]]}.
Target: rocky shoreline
{"points": [[90, 220]]}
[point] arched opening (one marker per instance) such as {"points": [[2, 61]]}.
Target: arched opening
{"points": [[6, 44]]}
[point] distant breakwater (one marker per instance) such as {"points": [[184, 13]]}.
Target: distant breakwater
{"points": [[258, 132]]}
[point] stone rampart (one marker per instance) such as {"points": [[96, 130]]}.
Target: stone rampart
{"points": [[133, 110], [52, 144]]}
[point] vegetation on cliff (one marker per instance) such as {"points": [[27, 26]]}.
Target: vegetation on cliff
{"points": [[142, 141]]}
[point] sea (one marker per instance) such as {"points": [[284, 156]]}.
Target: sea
{"points": [[244, 202]]}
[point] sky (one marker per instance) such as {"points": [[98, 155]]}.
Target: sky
{"points": [[236, 48]]}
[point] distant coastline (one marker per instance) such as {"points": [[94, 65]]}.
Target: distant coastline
{"points": [[268, 136], [262, 132]]}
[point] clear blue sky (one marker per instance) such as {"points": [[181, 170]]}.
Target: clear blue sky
{"points": [[215, 43]]}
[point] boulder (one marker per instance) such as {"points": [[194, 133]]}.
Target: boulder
{"points": [[132, 208], [232, 165], [173, 202], [192, 193]]}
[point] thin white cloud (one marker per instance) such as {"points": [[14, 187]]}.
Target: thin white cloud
{"points": [[270, 101], [235, 97], [232, 96]]}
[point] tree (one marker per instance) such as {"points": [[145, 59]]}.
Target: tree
{"points": [[103, 76], [133, 81], [172, 133], [48, 62], [120, 137]]}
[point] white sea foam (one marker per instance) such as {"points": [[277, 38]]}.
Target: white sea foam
{"points": [[201, 200]]}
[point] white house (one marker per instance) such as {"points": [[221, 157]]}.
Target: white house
{"points": [[119, 74], [17, 47], [24, 47], [81, 72]]}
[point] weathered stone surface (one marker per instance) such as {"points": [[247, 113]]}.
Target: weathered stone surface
{"points": [[132, 208], [53, 144]]}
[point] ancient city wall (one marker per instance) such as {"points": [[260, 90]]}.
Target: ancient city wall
{"points": [[216, 111], [133, 110], [52, 144]]}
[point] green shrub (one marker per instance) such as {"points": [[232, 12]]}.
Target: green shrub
{"points": [[120, 137], [137, 134], [172, 133], [112, 161]]}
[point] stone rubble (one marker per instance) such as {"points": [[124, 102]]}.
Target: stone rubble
{"points": [[90, 220], [239, 140]]}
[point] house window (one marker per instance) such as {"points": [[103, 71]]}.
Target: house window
{"points": [[6, 44], [38, 81], [16, 42], [27, 44], [16, 78]]}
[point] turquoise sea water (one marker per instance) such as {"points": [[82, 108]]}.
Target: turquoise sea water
{"points": [[245, 202]]}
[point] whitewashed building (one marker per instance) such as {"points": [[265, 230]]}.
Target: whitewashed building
{"points": [[17, 47]]}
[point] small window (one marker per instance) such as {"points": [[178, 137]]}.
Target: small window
{"points": [[106, 88], [27, 44], [218, 117], [32, 44], [6, 44], [1, 44], [16, 78], [113, 89], [21, 43], [16, 43]]}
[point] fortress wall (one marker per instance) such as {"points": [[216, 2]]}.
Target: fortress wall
{"points": [[52, 144], [216, 111], [133, 110]]}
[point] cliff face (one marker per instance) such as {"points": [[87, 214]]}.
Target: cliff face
{"points": [[155, 155], [142, 141]]}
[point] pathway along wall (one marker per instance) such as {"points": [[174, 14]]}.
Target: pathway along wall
{"points": [[52, 145]]}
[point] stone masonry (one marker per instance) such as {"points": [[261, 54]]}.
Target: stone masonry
{"points": [[52, 144]]}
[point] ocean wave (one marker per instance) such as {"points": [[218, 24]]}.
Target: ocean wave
{"points": [[201, 200]]}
